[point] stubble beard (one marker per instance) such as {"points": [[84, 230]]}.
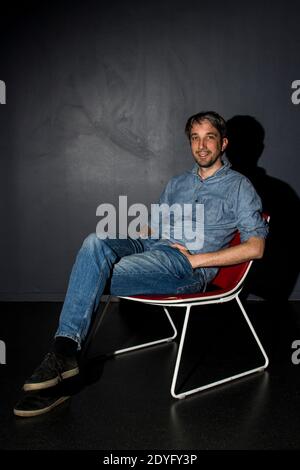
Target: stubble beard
{"points": [[206, 164]]}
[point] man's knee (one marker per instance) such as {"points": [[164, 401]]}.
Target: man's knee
{"points": [[92, 241]]}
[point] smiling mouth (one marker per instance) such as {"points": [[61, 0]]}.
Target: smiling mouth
{"points": [[203, 155]]}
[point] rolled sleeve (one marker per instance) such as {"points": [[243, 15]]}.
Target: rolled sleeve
{"points": [[249, 212]]}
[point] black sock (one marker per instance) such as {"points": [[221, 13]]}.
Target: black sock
{"points": [[65, 346]]}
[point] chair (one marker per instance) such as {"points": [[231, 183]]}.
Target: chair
{"points": [[225, 287]]}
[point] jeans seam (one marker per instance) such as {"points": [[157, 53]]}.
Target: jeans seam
{"points": [[92, 303], [188, 286]]}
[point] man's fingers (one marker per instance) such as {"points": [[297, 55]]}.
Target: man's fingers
{"points": [[177, 245]]}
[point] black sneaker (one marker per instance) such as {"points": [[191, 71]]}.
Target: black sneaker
{"points": [[52, 370], [33, 405]]}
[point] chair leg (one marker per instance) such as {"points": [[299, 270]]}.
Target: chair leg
{"points": [[179, 354], [218, 382], [151, 343], [265, 365], [95, 324]]}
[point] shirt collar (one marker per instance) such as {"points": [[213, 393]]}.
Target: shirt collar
{"points": [[219, 173]]}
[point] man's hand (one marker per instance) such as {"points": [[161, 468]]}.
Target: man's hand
{"points": [[186, 252], [145, 231], [251, 249]]}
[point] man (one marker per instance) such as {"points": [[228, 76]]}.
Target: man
{"points": [[163, 265]]}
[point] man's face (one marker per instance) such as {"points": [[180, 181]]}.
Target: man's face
{"points": [[206, 144]]}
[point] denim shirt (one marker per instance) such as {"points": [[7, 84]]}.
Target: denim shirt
{"points": [[230, 203]]}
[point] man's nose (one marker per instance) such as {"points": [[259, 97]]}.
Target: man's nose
{"points": [[202, 144]]}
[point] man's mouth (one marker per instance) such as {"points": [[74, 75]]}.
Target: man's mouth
{"points": [[203, 154]]}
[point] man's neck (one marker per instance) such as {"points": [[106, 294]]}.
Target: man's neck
{"points": [[205, 173]]}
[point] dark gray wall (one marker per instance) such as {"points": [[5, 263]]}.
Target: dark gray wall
{"points": [[97, 99]]}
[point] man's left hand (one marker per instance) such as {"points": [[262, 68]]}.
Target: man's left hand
{"points": [[186, 253]]}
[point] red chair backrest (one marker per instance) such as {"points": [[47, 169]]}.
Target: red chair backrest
{"points": [[229, 277]]}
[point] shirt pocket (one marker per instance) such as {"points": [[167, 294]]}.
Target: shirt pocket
{"points": [[217, 212]]}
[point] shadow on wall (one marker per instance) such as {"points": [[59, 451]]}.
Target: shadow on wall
{"points": [[273, 277]]}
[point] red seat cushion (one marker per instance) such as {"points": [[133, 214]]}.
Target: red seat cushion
{"points": [[226, 280]]}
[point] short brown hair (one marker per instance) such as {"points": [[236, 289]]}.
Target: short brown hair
{"points": [[214, 118]]}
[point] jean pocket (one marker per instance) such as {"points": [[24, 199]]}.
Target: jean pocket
{"points": [[186, 260]]}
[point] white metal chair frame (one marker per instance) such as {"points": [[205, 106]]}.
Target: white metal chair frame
{"points": [[188, 304]]}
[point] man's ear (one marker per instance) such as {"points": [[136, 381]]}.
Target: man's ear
{"points": [[224, 143]]}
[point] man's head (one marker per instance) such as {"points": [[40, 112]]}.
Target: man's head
{"points": [[207, 135]]}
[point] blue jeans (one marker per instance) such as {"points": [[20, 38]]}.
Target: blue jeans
{"points": [[126, 267]]}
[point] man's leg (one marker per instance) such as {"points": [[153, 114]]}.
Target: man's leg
{"points": [[90, 273], [161, 270]]}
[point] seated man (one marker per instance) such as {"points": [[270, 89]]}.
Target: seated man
{"points": [[159, 265]]}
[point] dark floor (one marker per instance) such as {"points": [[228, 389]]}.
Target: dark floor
{"points": [[128, 406]]}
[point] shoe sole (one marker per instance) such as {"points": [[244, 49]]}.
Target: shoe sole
{"points": [[50, 383], [29, 414]]}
